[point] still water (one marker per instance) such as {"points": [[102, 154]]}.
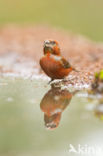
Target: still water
{"points": [[37, 119]]}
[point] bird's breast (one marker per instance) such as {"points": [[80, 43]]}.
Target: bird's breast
{"points": [[53, 67], [50, 63]]}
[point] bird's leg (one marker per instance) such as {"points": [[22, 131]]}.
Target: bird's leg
{"points": [[50, 81]]}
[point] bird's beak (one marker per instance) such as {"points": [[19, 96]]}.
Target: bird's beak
{"points": [[47, 49], [46, 45]]}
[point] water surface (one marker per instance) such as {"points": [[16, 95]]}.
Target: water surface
{"points": [[23, 131]]}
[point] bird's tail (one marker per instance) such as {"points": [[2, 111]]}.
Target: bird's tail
{"points": [[75, 69]]}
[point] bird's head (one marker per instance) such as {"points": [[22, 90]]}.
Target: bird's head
{"points": [[51, 46], [52, 122]]}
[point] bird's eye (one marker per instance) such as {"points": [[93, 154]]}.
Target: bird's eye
{"points": [[53, 43]]}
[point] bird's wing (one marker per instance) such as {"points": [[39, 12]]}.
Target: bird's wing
{"points": [[65, 63], [61, 60]]}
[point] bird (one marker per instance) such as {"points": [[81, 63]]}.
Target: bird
{"points": [[53, 63]]}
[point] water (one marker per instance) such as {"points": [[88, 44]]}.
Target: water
{"points": [[23, 131]]}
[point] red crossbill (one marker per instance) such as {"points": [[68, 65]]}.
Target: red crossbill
{"points": [[52, 63]]}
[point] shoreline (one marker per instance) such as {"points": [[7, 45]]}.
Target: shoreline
{"points": [[21, 49]]}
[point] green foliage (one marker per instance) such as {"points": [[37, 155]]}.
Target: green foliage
{"points": [[99, 75], [96, 75]]}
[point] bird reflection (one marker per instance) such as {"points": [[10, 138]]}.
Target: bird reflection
{"points": [[53, 104]]}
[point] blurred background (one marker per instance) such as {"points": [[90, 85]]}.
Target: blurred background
{"points": [[22, 130], [79, 16]]}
